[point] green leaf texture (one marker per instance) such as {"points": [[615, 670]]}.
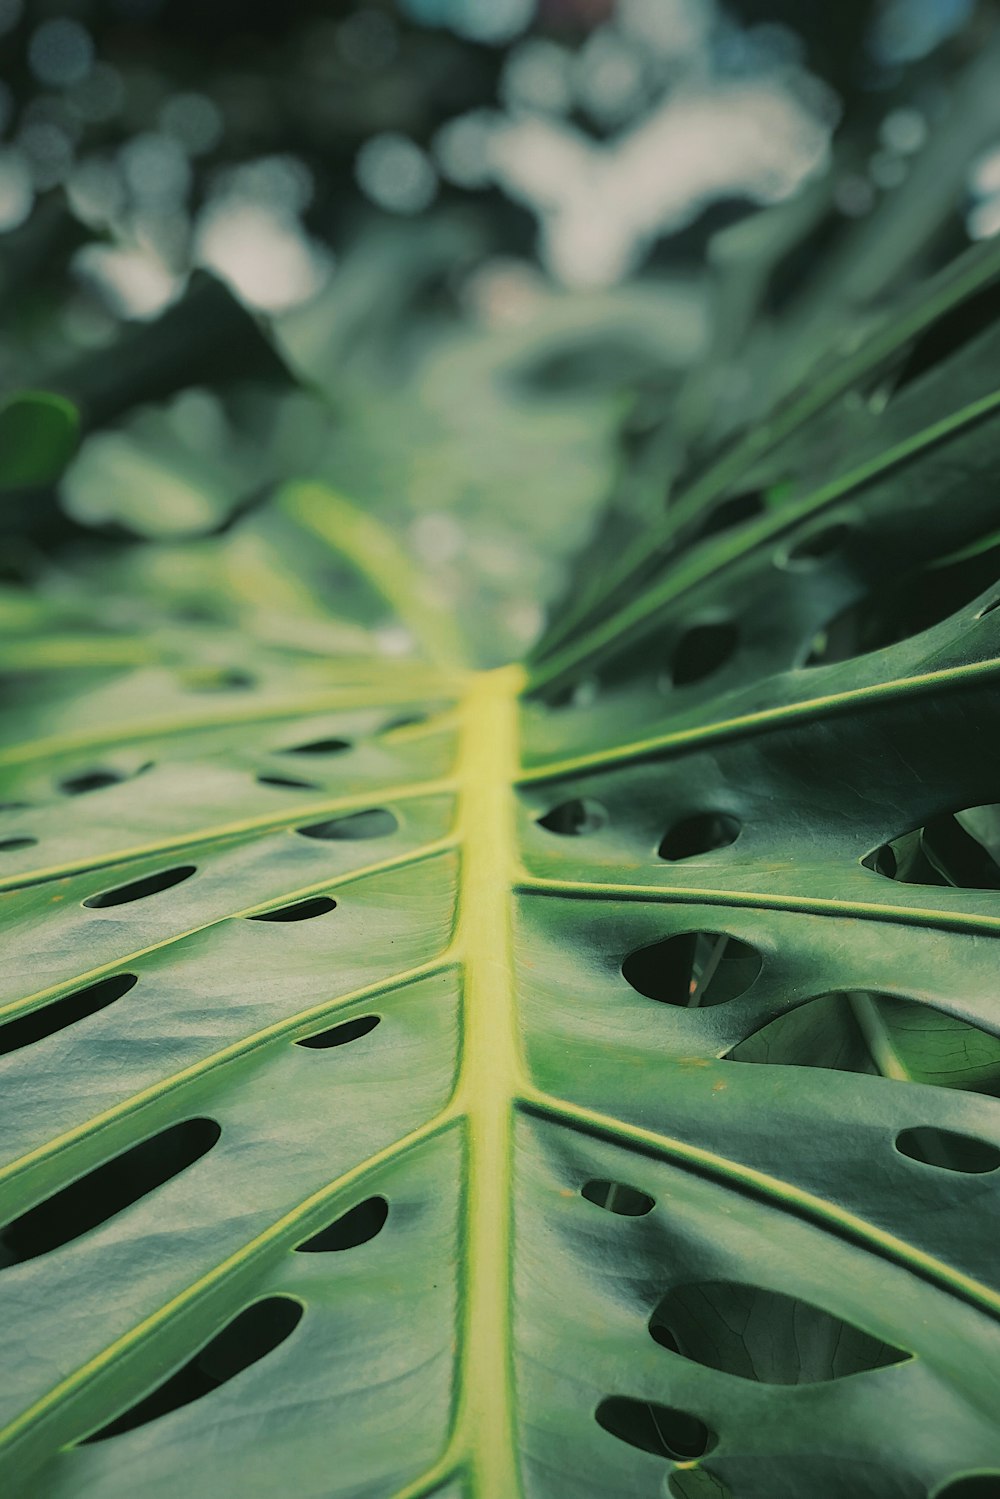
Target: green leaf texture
{"points": [[425, 1083]]}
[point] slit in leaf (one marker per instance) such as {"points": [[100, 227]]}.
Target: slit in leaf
{"points": [[290, 781], [342, 1034], [8, 845], [660, 1429], [215, 679], [403, 721], [377, 822], [318, 747], [150, 884], [358, 1226], [50, 1018], [249, 1337], [300, 910], [702, 651], [107, 1190], [90, 780]]}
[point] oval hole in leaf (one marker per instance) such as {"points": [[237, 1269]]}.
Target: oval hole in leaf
{"points": [[903, 606], [699, 835], [89, 780], [882, 861], [375, 823], [150, 884], [355, 1227], [575, 818], [948, 334], [763, 1335], [617, 1197], [837, 1031], [660, 1429], [225, 679], [290, 781], [702, 650], [403, 721], [971, 1486], [948, 1149], [821, 1032], [817, 546], [340, 1035], [734, 511], [582, 693], [8, 845], [955, 849], [318, 747], [109, 1189], [300, 910], [48, 1019], [248, 1338], [693, 969]]}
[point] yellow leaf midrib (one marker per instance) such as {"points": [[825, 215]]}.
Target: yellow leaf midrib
{"points": [[482, 1444], [488, 1082]]}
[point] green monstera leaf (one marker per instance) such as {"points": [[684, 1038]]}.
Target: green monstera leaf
{"points": [[576, 1081]]}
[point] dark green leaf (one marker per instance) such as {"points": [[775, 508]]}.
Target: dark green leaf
{"points": [[38, 435]]}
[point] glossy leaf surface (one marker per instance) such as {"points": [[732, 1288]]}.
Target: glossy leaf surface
{"points": [[513, 1095]]}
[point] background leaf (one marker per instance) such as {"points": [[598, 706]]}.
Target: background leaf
{"points": [[38, 432]]}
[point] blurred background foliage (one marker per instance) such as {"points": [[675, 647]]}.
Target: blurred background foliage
{"points": [[482, 267]]}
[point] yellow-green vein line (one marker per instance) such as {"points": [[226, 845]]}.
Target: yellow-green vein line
{"points": [[265, 822], [765, 719], [765, 435], [377, 555], [960, 921], [615, 628], [435, 1478], [123, 960], [275, 1237], [303, 1020], [243, 715], [773, 1190]]}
